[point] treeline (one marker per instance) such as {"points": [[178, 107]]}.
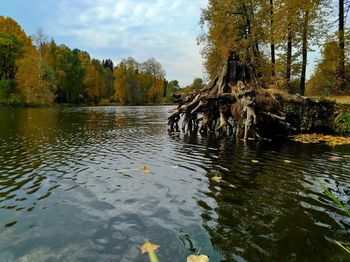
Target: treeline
{"points": [[35, 71], [276, 37]]}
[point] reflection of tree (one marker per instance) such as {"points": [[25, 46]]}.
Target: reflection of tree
{"points": [[267, 210], [22, 158]]}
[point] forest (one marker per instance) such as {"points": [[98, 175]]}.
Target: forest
{"points": [[35, 71]]}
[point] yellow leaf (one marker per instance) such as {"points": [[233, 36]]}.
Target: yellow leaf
{"points": [[146, 170], [201, 258], [255, 161], [334, 158], [148, 247], [287, 161], [217, 178]]}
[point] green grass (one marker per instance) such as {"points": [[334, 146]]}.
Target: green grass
{"points": [[342, 207], [335, 200]]}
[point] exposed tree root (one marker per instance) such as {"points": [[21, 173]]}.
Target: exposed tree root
{"points": [[234, 100]]}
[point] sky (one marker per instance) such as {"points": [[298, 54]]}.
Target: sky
{"points": [[117, 29]]}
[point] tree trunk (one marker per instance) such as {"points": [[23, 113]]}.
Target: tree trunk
{"points": [[272, 44], [304, 50], [165, 88], [341, 63], [289, 55]]}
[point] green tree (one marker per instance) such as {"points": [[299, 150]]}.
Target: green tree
{"points": [[173, 87], [70, 75], [109, 78], [197, 84], [11, 50]]}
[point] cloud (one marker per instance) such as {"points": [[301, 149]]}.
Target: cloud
{"points": [[164, 29]]}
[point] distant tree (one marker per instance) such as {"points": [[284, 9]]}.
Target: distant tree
{"points": [[122, 94], [138, 83], [70, 75], [40, 40], [31, 79], [152, 67], [173, 86], [109, 78], [197, 84], [108, 63]]}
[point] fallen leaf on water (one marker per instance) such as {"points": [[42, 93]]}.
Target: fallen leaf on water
{"points": [[287, 161], [201, 258], [148, 247], [146, 170], [217, 178], [334, 158], [319, 138], [255, 161]]}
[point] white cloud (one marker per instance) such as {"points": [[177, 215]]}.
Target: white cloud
{"points": [[164, 29]]}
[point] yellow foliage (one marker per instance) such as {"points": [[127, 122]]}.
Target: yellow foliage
{"points": [[156, 88], [35, 91], [10, 26], [120, 85]]}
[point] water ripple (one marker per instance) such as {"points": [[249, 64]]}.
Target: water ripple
{"points": [[72, 181]]}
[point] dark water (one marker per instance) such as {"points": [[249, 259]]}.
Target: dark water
{"points": [[72, 188]]}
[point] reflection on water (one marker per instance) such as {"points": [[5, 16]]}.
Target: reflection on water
{"points": [[72, 188]]}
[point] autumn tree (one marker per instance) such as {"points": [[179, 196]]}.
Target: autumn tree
{"points": [[250, 28], [233, 26], [94, 81], [139, 83], [122, 94], [312, 28], [30, 80], [153, 68]]}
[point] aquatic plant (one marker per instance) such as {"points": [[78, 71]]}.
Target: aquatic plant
{"points": [[341, 206], [342, 124]]}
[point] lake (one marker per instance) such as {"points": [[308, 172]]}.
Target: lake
{"points": [[92, 184]]}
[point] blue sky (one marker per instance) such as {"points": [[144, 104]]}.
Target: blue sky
{"points": [[116, 29]]}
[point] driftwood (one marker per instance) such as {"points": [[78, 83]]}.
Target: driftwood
{"points": [[234, 101]]}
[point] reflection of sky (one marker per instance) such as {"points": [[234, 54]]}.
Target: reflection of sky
{"points": [[164, 29]]}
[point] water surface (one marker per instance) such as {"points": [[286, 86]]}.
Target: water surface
{"points": [[72, 188]]}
